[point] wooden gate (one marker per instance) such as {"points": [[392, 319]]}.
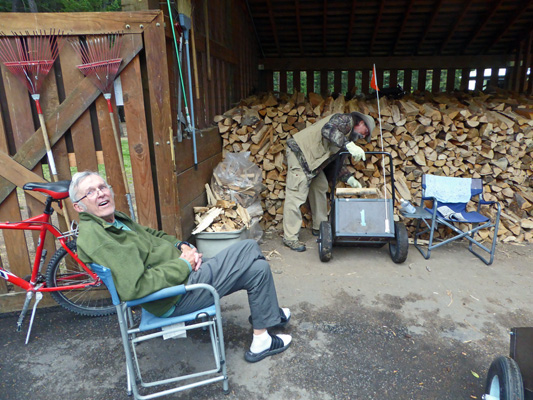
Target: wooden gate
{"points": [[79, 128]]}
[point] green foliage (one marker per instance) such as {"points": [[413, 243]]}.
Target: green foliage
{"points": [[89, 5], [61, 5]]}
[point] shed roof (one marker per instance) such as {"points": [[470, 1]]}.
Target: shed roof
{"points": [[384, 28]]}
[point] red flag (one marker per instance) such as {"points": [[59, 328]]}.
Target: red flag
{"points": [[374, 81]]}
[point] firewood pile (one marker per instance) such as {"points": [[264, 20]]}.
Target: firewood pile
{"points": [[488, 136]]}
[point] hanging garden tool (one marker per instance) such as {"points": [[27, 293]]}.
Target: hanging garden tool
{"points": [[30, 57], [100, 55], [185, 23]]}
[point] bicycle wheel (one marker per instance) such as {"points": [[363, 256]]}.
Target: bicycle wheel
{"points": [[63, 270]]}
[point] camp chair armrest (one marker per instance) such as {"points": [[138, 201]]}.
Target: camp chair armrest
{"points": [[160, 294]]}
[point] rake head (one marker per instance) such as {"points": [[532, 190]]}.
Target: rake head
{"points": [[30, 56], [100, 57]]}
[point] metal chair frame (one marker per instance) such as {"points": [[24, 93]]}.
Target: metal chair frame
{"points": [[150, 328], [431, 218]]}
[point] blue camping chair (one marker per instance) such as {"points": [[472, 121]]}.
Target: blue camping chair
{"points": [[449, 197], [150, 327]]}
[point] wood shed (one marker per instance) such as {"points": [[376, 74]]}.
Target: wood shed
{"points": [[465, 68]]}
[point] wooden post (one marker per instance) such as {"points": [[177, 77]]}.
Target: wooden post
{"points": [[160, 113], [422, 79], [407, 78], [310, 81], [450, 80]]}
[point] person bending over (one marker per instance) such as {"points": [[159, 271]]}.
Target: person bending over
{"points": [[308, 153]]}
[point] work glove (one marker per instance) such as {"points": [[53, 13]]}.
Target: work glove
{"points": [[353, 182], [357, 152]]}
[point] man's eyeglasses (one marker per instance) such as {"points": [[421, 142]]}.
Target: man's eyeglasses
{"points": [[92, 193]]}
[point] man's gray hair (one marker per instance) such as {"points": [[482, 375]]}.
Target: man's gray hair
{"points": [[75, 183]]}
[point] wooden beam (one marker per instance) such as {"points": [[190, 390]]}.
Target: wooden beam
{"points": [[324, 25], [350, 27], [436, 10], [376, 25], [298, 26], [79, 23], [273, 26], [450, 80], [458, 22], [407, 80], [489, 16], [516, 15], [413, 62], [402, 27]]}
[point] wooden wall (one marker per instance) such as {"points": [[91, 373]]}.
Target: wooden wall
{"points": [[226, 70]]}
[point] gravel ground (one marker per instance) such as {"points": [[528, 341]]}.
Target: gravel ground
{"points": [[363, 328]]}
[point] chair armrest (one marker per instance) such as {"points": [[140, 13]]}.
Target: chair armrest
{"points": [[160, 294]]}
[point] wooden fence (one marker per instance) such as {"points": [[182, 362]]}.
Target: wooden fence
{"points": [[78, 123]]}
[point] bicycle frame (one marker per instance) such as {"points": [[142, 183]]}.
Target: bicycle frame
{"points": [[42, 224]]}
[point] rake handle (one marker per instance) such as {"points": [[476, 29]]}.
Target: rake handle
{"points": [[117, 143], [50, 155]]}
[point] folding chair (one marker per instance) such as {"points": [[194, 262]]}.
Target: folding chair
{"points": [[150, 327], [449, 197]]}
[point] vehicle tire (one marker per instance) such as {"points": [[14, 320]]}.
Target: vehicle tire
{"points": [[325, 241], [504, 381], [399, 247], [91, 301]]}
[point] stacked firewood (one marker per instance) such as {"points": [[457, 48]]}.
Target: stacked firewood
{"points": [[488, 136], [220, 215]]}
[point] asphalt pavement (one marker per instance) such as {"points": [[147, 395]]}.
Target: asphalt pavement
{"points": [[363, 328]]}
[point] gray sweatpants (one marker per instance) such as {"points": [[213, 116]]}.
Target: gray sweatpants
{"points": [[241, 266]]}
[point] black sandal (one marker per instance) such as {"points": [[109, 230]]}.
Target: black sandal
{"points": [[277, 346]]}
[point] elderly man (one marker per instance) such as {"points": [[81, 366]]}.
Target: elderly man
{"points": [[308, 153], [143, 260]]}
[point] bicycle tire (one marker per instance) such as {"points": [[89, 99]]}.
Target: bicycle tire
{"points": [[84, 301]]}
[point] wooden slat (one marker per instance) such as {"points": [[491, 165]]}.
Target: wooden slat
{"points": [[160, 113], [81, 131], [109, 148], [414, 62], [407, 80], [393, 78], [310, 81], [450, 80], [465, 76], [49, 102], [191, 182], [14, 241], [22, 127], [296, 81], [435, 80], [421, 79], [479, 78], [365, 81], [337, 81], [209, 145], [79, 23], [283, 81], [139, 146], [324, 82]]}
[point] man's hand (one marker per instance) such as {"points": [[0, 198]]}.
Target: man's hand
{"points": [[357, 152], [192, 256], [353, 182]]}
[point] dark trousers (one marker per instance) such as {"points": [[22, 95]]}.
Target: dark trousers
{"points": [[241, 266]]}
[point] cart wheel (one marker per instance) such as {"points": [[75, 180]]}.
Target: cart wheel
{"points": [[504, 381], [399, 247], [325, 241]]}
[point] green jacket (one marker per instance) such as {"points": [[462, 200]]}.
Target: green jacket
{"points": [[142, 260]]}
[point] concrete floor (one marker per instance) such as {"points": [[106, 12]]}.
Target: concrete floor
{"points": [[363, 328]]}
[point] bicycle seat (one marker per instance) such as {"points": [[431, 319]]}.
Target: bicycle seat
{"points": [[56, 190]]}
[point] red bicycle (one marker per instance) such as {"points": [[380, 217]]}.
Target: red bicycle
{"points": [[68, 280]]}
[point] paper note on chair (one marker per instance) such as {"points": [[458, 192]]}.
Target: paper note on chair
{"points": [[448, 213], [176, 331]]}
